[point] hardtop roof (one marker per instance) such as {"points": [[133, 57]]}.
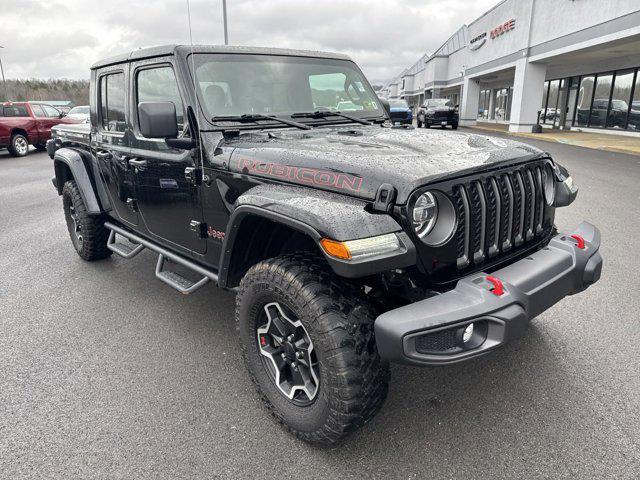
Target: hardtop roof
{"points": [[163, 50]]}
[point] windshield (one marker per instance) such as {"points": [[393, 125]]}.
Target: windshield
{"points": [[398, 104], [439, 102], [81, 110], [240, 84]]}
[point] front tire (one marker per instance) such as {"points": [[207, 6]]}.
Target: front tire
{"points": [[327, 324], [19, 146], [88, 233]]}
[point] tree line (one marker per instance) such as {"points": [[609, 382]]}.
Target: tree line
{"points": [[76, 91]]}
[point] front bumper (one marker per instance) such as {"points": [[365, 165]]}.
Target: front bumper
{"points": [[530, 286]]}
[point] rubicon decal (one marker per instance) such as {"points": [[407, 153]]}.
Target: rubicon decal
{"points": [[311, 176]]}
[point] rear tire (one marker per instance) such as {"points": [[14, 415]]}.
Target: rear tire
{"points": [[88, 233], [19, 146], [454, 126], [41, 147], [351, 381]]}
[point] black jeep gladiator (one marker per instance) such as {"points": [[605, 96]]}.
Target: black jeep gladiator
{"points": [[350, 244]]}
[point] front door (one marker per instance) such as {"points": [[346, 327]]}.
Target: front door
{"points": [[41, 124], [169, 203], [110, 143]]}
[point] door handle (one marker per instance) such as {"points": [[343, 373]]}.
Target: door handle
{"points": [[138, 164]]}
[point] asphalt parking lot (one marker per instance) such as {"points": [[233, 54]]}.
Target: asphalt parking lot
{"points": [[107, 373]]}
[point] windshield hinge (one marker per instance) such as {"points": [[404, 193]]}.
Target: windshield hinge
{"points": [[384, 198], [193, 175]]}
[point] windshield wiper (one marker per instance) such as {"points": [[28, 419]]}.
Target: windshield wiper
{"points": [[329, 113], [255, 117]]}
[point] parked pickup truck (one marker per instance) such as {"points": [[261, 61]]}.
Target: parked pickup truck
{"points": [[24, 123], [349, 244]]}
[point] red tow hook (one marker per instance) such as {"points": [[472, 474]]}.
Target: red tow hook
{"points": [[580, 241], [497, 289]]}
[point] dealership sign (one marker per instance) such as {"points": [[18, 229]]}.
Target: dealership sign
{"points": [[478, 41], [504, 28]]}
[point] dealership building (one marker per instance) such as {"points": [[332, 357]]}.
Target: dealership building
{"points": [[569, 64]]}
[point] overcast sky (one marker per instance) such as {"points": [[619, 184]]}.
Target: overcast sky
{"points": [[53, 39]]}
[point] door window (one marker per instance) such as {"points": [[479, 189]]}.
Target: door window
{"points": [[601, 101], [51, 112], [112, 102], [584, 101], [38, 111], [620, 97], [160, 85], [634, 108]]}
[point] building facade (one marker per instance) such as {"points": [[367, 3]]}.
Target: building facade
{"points": [[570, 64]]}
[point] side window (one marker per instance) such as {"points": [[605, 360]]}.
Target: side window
{"points": [[15, 111], [38, 112], [112, 102], [160, 85], [50, 111]]}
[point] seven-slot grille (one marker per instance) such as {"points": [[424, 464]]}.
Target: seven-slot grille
{"points": [[498, 213]]}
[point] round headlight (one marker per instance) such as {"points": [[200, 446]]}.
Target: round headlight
{"points": [[425, 214]]}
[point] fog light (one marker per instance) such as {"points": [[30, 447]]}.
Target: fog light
{"points": [[468, 333]]}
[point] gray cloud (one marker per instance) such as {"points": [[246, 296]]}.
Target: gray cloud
{"points": [[50, 38]]}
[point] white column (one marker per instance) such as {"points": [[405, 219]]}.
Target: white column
{"points": [[528, 88], [469, 104], [492, 104]]}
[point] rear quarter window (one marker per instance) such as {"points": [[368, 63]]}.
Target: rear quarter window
{"points": [[112, 99], [14, 111]]}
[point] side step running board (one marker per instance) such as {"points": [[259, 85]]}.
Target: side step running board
{"points": [[122, 249], [173, 279]]}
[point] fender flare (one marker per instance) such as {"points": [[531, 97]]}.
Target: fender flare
{"points": [[73, 160], [316, 214]]}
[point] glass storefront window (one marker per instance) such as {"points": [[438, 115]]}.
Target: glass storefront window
{"points": [[622, 84], [585, 93], [551, 112], [634, 111], [600, 103]]}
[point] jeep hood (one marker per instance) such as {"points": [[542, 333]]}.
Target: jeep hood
{"points": [[357, 160]]}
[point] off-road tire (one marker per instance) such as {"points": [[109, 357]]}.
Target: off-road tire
{"points": [[17, 145], [41, 147], [93, 245], [339, 320]]}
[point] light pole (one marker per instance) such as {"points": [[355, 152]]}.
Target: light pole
{"points": [[4, 82], [224, 18]]}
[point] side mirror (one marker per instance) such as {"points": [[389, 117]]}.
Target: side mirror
{"points": [[158, 120]]}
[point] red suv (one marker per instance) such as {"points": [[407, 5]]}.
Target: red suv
{"points": [[24, 123]]}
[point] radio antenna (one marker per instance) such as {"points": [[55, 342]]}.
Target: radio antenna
{"points": [[195, 91]]}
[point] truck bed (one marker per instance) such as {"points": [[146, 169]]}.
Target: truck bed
{"points": [[78, 134]]}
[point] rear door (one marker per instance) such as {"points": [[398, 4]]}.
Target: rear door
{"points": [[170, 204], [110, 141]]}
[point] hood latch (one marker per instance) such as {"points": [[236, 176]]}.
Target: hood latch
{"points": [[385, 196]]}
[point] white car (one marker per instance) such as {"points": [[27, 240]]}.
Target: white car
{"points": [[80, 113]]}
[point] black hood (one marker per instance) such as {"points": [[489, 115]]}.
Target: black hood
{"points": [[357, 160]]}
